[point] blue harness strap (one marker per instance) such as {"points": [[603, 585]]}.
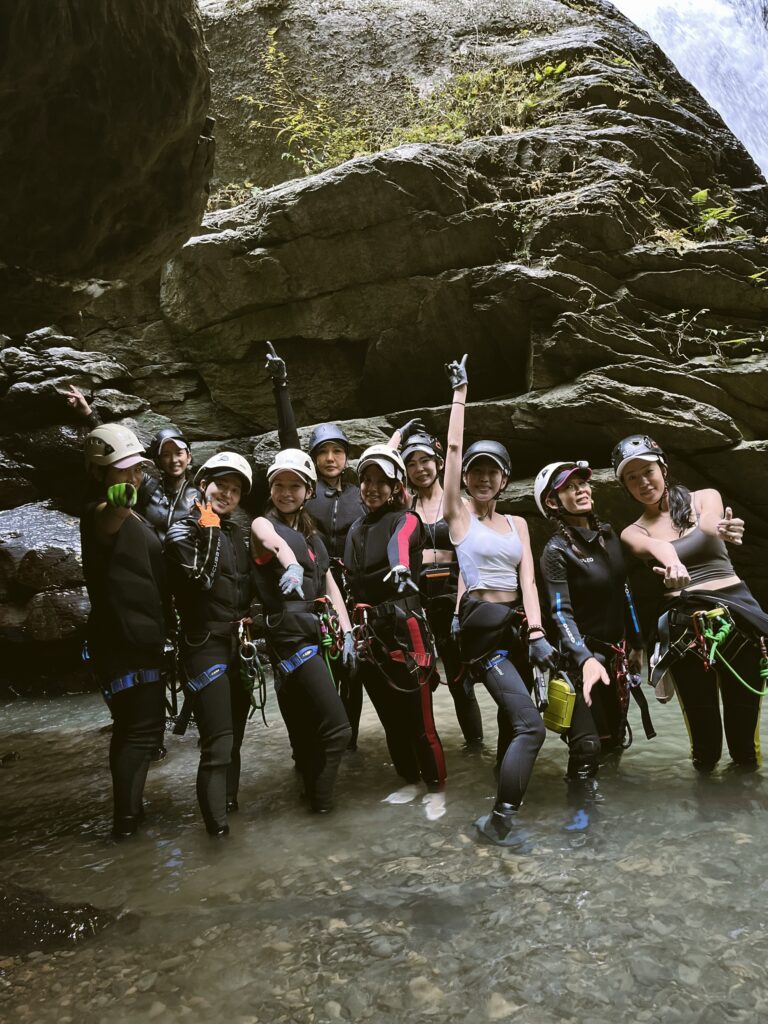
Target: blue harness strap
{"points": [[298, 659], [494, 659], [126, 682], [200, 682]]}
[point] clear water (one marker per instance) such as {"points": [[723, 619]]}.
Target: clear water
{"points": [[721, 46], [656, 910]]}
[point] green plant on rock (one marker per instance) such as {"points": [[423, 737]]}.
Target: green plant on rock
{"points": [[710, 219], [491, 99], [231, 194]]}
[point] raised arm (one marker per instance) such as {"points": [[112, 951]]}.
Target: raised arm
{"points": [[455, 511], [716, 520], [192, 547], [287, 433], [111, 515]]}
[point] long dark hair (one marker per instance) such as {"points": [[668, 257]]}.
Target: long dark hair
{"points": [[680, 505], [566, 531], [305, 524]]}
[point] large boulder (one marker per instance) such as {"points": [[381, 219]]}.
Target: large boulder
{"points": [[107, 152]]}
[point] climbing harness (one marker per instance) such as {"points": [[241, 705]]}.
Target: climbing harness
{"points": [[707, 632], [371, 640], [252, 672], [331, 636], [628, 684]]}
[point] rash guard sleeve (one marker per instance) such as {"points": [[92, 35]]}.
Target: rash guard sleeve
{"points": [[287, 432], [406, 537], [554, 571]]}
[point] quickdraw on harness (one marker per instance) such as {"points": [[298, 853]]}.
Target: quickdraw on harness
{"points": [[712, 628], [627, 684], [252, 672], [369, 643], [331, 636]]}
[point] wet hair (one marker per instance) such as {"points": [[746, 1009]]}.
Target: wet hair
{"points": [[305, 524]]}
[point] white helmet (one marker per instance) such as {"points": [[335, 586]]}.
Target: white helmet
{"points": [[553, 477], [387, 459], [113, 445], [223, 463], [294, 460]]}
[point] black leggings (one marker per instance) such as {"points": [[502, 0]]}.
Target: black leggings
{"points": [[137, 730], [406, 714], [439, 615], [221, 713], [521, 730], [595, 730], [699, 692], [317, 726]]}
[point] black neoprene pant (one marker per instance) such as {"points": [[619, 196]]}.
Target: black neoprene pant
{"points": [[521, 730], [439, 616], [409, 725], [221, 713], [137, 729], [317, 726], [594, 730], [699, 692]]}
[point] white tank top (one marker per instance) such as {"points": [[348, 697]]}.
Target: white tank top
{"points": [[488, 560]]}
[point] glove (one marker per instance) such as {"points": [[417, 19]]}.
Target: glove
{"points": [[457, 372], [292, 580], [541, 653], [122, 495], [401, 578], [208, 517], [275, 366], [455, 628], [414, 426], [349, 653]]}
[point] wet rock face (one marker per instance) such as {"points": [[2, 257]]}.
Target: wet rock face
{"points": [[106, 153]]}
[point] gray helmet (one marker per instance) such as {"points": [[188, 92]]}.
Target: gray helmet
{"points": [[325, 432], [489, 450], [636, 446], [420, 442]]}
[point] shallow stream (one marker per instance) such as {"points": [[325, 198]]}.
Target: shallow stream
{"points": [[655, 911]]}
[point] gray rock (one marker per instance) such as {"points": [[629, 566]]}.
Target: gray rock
{"points": [[95, 192]]}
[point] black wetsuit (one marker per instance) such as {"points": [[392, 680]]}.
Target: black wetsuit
{"points": [[162, 508], [591, 612], [438, 583], [126, 632], [211, 578], [312, 709], [334, 510], [396, 670]]}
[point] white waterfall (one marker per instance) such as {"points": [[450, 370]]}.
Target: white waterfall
{"points": [[721, 46]]}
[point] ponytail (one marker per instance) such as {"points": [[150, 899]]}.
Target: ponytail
{"points": [[680, 510]]}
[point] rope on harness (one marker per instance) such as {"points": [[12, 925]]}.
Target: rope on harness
{"points": [[715, 626], [252, 672], [331, 636], [368, 642]]}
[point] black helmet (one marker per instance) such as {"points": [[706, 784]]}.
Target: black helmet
{"points": [[421, 442], [636, 446], [166, 434], [325, 432], [490, 450]]}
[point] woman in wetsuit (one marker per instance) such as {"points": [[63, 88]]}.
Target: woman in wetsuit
{"points": [[499, 609], [438, 579], [334, 506], [303, 608], [685, 533], [172, 496], [397, 658], [125, 576], [592, 614], [211, 578]]}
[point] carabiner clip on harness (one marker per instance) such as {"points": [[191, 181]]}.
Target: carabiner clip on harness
{"points": [[331, 637], [368, 642], [252, 672], [713, 627]]}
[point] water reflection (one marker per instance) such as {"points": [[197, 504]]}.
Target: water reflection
{"points": [[375, 913]]}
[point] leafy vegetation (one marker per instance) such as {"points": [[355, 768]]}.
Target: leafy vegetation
{"points": [[492, 99]]}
